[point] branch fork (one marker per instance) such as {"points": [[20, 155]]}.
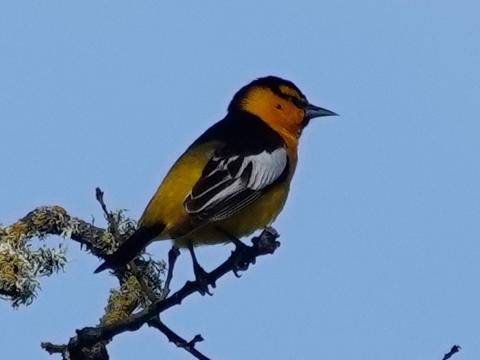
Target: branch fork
{"points": [[90, 343]]}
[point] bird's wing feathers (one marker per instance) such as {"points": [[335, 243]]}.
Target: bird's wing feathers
{"points": [[231, 182]]}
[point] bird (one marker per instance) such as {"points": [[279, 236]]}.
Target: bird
{"points": [[233, 180]]}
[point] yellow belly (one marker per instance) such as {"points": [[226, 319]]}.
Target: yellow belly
{"points": [[258, 215]]}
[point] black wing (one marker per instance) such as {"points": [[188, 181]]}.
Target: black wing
{"points": [[251, 158], [229, 183]]}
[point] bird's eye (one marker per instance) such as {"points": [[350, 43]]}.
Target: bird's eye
{"points": [[279, 107]]}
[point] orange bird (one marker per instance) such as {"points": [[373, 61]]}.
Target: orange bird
{"points": [[234, 179]]}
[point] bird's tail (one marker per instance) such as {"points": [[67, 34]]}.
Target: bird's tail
{"points": [[131, 247]]}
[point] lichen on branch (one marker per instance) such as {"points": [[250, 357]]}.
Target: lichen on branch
{"points": [[23, 261], [141, 296]]}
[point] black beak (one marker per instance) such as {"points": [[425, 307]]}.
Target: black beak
{"points": [[313, 111]]}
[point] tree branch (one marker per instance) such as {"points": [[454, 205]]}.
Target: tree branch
{"points": [[90, 343], [112, 222], [453, 350], [54, 220], [53, 348], [264, 244], [188, 346]]}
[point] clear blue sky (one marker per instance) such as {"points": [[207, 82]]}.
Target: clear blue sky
{"points": [[381, 234]]}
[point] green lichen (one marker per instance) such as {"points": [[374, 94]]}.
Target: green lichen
{"points": [[122, 228], [132, 295], [17, 278], [122, 302], [21, 264]]}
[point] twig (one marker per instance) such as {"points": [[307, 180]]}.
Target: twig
{"points": [[112, 223], [53, 348], [453, 350], [180, 342], [114, 228]]}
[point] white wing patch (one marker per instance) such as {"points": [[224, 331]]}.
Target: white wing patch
{"points": [[267, 167], [230, 183]]}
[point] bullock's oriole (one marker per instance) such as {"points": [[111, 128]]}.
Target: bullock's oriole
{"points": [[234, 179]]}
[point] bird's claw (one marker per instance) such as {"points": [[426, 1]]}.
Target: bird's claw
{"points": [[242, 258], [203, 280]]}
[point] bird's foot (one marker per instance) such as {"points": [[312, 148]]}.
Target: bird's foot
{"points": [[173, 254], [203, 280], [242, 257], [245, 255]]}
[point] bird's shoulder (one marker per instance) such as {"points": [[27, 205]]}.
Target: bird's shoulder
{"points": [[241, 132]]}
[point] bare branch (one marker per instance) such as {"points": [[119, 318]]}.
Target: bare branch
{"points": [[52, 348], [112, 222], [180, 342], [453, 350]]}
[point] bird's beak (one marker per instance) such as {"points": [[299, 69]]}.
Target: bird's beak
{"points": [[313, 111]]}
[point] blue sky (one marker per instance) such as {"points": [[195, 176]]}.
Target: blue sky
{"points": [[380, 236]]}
